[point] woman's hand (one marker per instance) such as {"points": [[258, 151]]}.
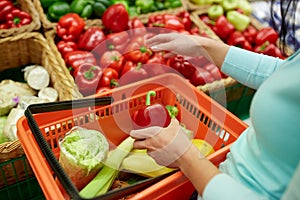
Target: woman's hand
{"points": [[176, 43], [189, 45], [164, 145]]}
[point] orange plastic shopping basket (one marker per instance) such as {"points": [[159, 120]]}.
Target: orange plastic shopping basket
{"points": [[44, 126]]}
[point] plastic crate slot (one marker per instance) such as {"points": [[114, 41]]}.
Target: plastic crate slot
{"points": [[213, 126], [226, 137], [206, 120]]}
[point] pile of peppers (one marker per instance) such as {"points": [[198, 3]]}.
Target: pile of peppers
{"points": [[101, 59], [94, 9], [12, 16], [231, 22]]}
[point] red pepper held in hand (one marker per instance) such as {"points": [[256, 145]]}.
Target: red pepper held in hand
{"points": [[151, 115], [91, 38], [70, 26], [87, 78], [17, 18]]}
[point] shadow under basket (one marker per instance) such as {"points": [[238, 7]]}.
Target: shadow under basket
{"points": [[207, 119]]}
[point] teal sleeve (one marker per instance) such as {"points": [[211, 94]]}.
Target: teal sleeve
{"points": [[249, 68], [222, 186]]}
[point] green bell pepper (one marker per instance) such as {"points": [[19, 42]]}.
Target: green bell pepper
{"points": [[159, 5], [238, 20], [215, 11], [230, 4], [245, 6], [172, 3], [100, 7], [133, 11], [84, 8], [57, 10], [201, 2], [145, 6]]}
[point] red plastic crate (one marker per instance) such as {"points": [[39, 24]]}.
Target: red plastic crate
{"points": [[201, 114]]}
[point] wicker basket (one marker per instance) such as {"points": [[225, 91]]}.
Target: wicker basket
{"points": [[25, 5], [32, 48]]}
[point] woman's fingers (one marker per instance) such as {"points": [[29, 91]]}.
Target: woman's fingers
{"points": [[145, 132]]}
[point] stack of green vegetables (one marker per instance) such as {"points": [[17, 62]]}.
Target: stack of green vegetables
{"points": [[92, 9]]}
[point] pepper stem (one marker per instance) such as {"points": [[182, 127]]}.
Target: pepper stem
{"points": [[149, 94]]}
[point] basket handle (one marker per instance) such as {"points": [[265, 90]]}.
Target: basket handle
{"points": [[46, 150], [67, 105]]}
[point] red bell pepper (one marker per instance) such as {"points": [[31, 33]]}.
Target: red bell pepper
{"points": [[91, 38], [167, 21], [76, 58], [118, 41], [132, 72], [116, 18], [238, 39], [109, 78], [201, 77], [206, 20], [183, 66], [223, 28], [65, 47], [87, 78], [250, 34], [112, 59], [269, 49], [185, 20], [151, 115], [213, 70], [136, 27], [5, 8], [70, 26], [139, 55], [266, 34], [17, 18]]}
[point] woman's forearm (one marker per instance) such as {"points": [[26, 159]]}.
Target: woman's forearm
{"points": [[197, 169], [216, 50]]}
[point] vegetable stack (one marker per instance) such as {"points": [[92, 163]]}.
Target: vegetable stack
{"points": [[94, 9], [102, 58], [230, 20], [12, 16]]}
